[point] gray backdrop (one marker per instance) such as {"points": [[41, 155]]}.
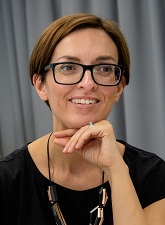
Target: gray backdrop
{"points": [[139, 116]]}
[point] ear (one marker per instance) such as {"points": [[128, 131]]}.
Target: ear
{"points": [[40, 87], [120, 89]]}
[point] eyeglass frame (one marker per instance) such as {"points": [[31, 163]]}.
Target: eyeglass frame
{"points": [[85, 68]]}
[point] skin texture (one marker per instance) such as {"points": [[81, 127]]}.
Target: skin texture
{"points": [[75, 48], [75, 147]]}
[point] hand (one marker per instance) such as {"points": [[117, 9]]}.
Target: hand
{"points": [[96, 144]]}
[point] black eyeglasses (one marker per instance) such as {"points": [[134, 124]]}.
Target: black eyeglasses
{"points": [[68, 73]]}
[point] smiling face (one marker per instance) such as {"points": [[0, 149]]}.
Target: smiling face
{"points": [[73, 106]]}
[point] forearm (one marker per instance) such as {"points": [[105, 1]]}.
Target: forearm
{"points": [[125, 203]]}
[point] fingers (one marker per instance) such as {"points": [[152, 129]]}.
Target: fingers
{"points": [[65, 133], [62, 137], [82, 136], [73, 139], [61, 141]]}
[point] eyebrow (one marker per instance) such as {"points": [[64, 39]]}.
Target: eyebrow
{"points": [[99, 58], [71, 58], [105, 57]]}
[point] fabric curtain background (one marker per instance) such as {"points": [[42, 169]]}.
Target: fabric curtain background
{"points": [[138, 118]]}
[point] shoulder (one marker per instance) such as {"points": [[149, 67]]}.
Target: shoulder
{"points": [[12, 163], [143, 162], [138, 157], [147, 171], [38, 153], [23, 161], [15, 157]]}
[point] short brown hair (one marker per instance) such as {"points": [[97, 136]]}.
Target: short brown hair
{"points": [[56, 31]]}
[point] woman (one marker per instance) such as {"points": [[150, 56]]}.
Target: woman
{"points": [[80, 174]]}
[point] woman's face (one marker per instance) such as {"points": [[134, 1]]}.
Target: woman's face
{"points": [[85, 46]]}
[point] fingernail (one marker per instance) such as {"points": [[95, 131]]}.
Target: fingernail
{"points": [[65, 150]]}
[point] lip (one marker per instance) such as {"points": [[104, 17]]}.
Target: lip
{"points": [[87, 101]]}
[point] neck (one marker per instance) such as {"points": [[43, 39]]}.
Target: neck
{"points": [[66, 169], [69, 162]]}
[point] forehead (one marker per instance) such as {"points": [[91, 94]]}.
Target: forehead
{"points": [[86, 42]]}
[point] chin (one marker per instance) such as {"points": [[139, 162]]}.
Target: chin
{"points": [[81, 122], [78, 125]]}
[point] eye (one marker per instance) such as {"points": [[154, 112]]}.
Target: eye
{"points": [[105, 69], [66, 67]]}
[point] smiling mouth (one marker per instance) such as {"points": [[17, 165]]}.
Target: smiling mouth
{"points": [[83, 101]]}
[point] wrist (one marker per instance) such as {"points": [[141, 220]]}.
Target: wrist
{"points": [[116, 171]]}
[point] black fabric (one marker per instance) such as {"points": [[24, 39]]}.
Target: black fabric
{"points": [[23, 190]]}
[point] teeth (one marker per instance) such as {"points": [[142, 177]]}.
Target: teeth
{"points": [[83, 101]]}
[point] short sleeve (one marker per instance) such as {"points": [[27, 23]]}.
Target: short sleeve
{"points": [[154, 183], [147, 171]]}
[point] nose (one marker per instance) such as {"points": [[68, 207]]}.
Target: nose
{"points": [[87, 81]]}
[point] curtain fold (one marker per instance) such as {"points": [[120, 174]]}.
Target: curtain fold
{"points": [[138, 117]]}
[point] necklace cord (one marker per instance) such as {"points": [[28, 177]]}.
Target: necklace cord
{"points": [[52, 194], [48, 157], [103, 178]]}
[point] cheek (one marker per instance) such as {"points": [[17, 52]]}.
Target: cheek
{"points": [[110, 95], [54, 98], [57, 96]]}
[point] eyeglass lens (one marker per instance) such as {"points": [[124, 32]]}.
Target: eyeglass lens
{"points": [[68, 73]]}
